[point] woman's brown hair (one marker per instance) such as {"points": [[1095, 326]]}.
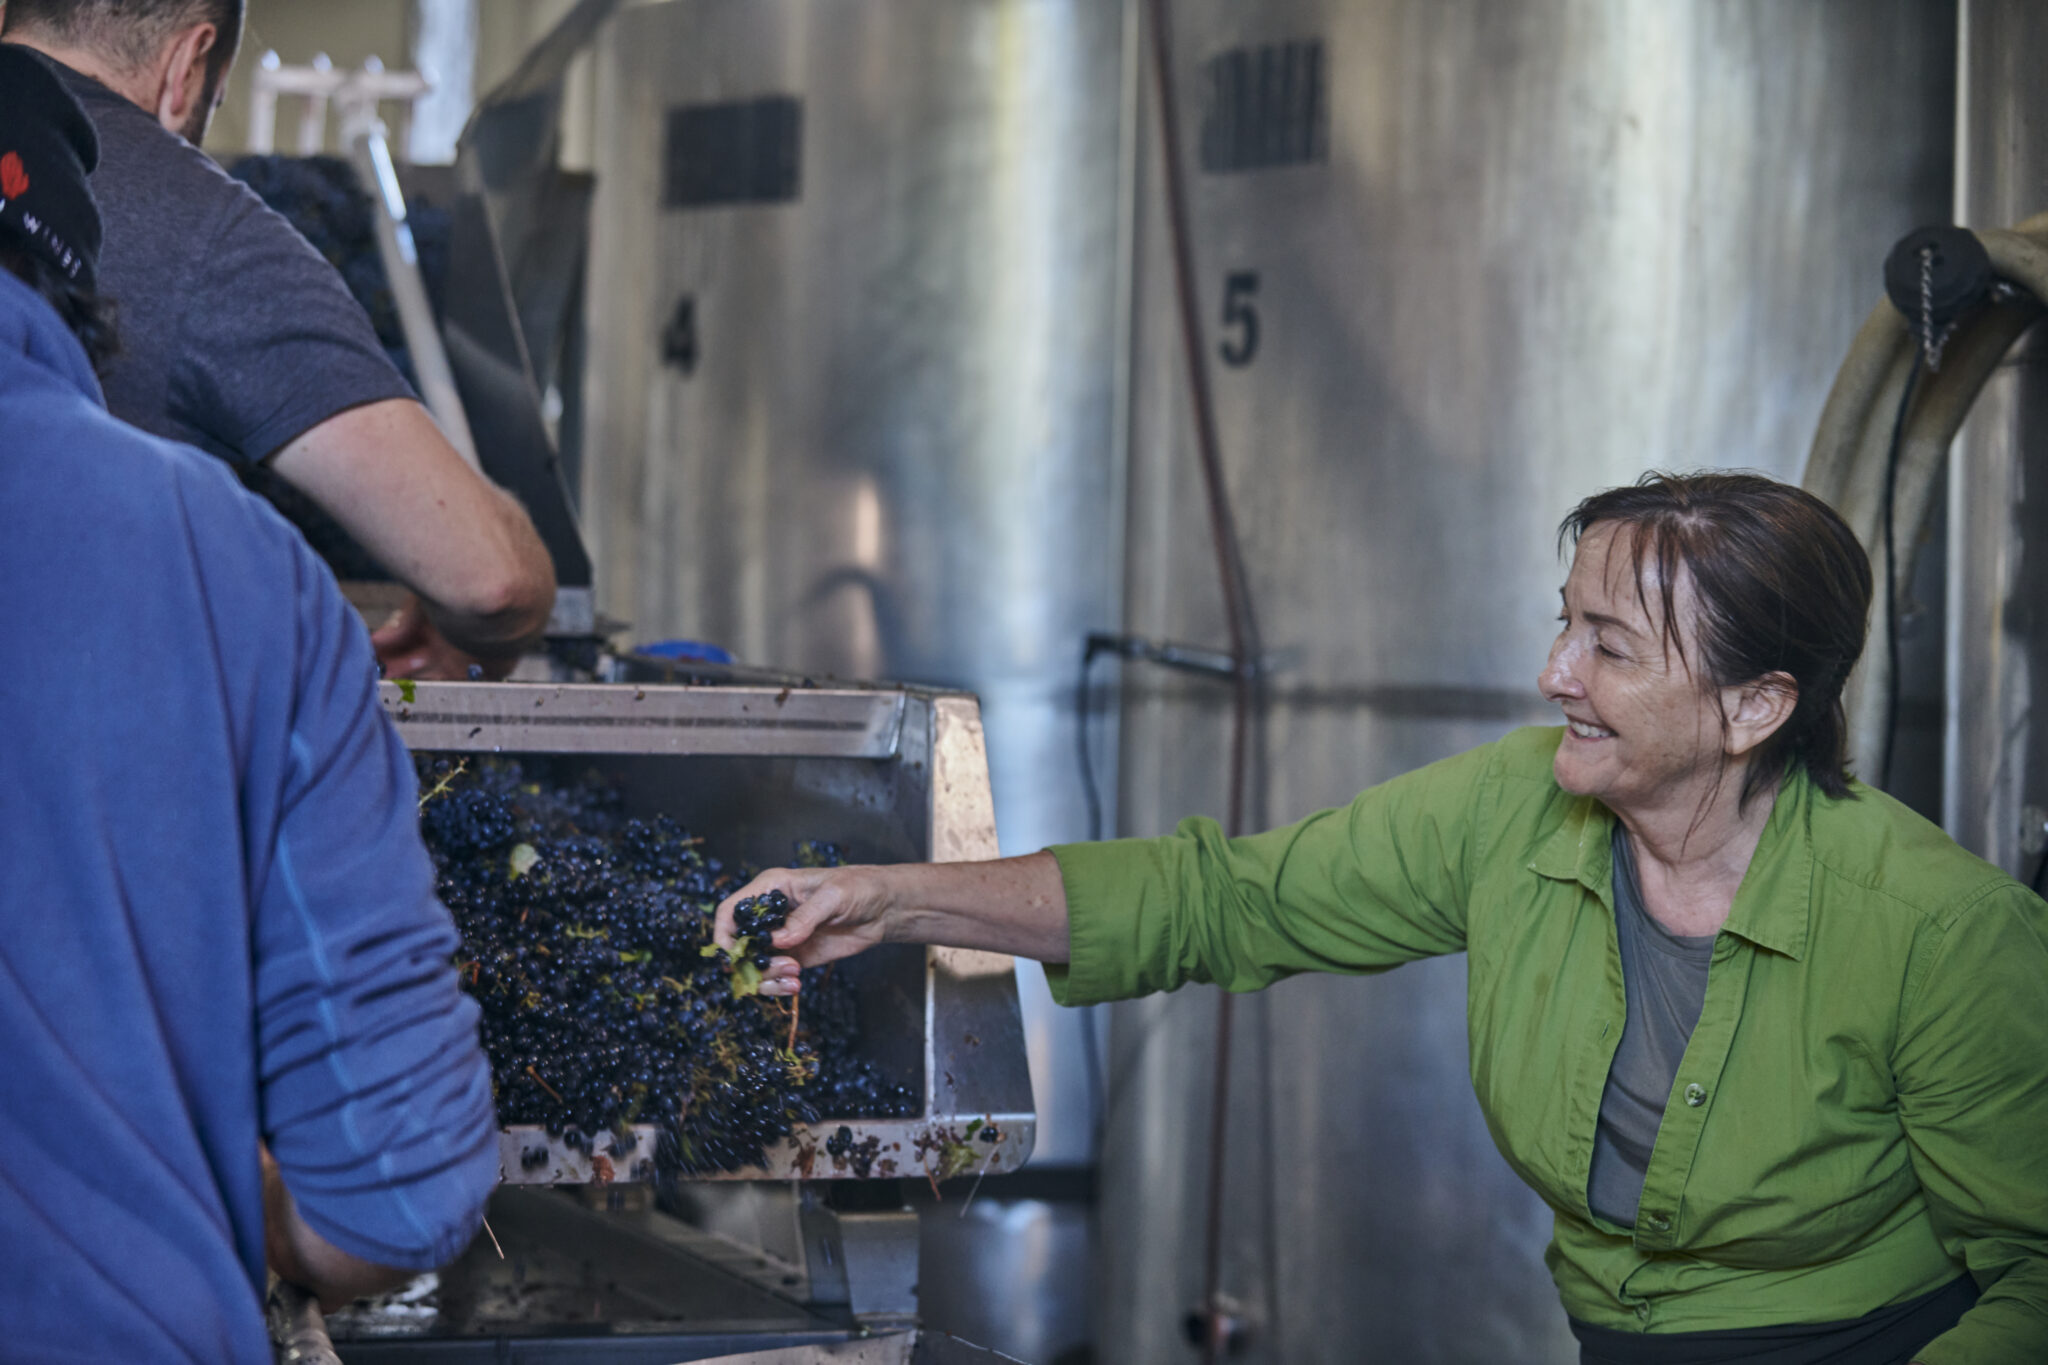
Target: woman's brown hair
{"points": [[1781, 584]]}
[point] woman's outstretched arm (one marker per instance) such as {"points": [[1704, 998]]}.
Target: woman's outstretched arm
{"points": [[1008, 905]]}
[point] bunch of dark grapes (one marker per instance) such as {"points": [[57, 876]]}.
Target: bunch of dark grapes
{"points": [[754, 922], [586, 938]]}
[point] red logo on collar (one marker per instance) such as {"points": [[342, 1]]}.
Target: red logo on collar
{"points": [[13, 179]]}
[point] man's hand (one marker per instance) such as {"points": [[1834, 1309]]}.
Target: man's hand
{"points": [[303, 1257], [409, 646], [839, 911]]}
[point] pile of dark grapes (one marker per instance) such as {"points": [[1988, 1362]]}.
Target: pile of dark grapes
{"points": [[586, 938]]}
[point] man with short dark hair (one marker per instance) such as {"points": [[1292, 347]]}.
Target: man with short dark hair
{"points": [[195, 38], [242, 340], [217, 922]]}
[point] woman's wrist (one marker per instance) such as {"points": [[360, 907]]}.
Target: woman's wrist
{"points": [[888, 905]]}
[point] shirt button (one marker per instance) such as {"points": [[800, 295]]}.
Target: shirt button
{"points": [[1658, 1222], [1695, 1094]]}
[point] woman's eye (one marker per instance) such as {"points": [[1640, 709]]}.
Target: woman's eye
{"points": [[1606, 652]]}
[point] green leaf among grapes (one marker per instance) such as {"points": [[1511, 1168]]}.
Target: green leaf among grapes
{"points": [[524, 856], [746, 979]]}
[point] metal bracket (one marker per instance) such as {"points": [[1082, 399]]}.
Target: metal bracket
{"points": [[865, 1261]]}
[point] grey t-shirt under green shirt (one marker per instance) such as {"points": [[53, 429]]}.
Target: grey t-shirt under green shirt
{"points": [[1665, 977]]}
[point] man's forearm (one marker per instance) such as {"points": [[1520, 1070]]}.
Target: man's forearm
{"points": [[392, 481], [520, 612], [303, 1257]]}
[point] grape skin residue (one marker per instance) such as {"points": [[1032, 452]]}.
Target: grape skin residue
{"points": [[586, 940]]}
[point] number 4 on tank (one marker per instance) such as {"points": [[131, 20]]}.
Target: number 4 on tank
{"points": [[1241, 317]]}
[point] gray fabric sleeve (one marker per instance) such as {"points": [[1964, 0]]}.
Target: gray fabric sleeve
{"points": [[272, 343]]}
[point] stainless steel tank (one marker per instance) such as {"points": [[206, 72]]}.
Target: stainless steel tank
{"points": [[856, 292], [1460, 264], [1996, 771]]}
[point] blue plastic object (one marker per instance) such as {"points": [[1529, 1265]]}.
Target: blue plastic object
{"points": [[694, 651]]}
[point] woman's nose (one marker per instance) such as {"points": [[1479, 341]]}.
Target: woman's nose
{"points": [[1557, 678]]}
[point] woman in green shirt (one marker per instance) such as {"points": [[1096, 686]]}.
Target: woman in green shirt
{"points": [[1773, 1048]]}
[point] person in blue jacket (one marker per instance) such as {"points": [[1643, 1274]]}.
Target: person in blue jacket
{"points": [[230, 1031]]}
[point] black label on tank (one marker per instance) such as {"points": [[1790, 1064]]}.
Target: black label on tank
{"points": [[740, 152], [1266, 106]]}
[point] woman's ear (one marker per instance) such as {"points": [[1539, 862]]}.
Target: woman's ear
{"points": [[1757, 710]]}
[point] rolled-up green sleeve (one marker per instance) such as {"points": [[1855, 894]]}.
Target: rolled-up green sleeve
{"points": [[1972, 1069], [1357, 888]]}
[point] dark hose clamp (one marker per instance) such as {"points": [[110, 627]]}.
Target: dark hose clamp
{"points": [[1935, 276]]}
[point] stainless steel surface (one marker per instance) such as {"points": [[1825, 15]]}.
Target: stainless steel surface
{"points": [[506, 289], [1011, 1274], [898, 451], [488, 353], [1552, 244], [1996, 756], [903, 1348], [879, 1252], [888, 1350], [652, 719], [893, 775], [574, 613], [595, 1346], [556, 1263], [512, 151]]}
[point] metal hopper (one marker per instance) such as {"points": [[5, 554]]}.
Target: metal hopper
{"points": [[891, 774]]}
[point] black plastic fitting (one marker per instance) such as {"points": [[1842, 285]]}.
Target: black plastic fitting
{"points": [[1937, 274]]}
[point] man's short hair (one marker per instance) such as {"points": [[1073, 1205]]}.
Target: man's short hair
{"points": [[128, 33]]}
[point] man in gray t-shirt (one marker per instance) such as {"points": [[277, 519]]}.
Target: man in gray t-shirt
{"points": [[239, 338]]}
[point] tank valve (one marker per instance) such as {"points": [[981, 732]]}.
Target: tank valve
{"points": [[1227, 1325], [2033, 830]]}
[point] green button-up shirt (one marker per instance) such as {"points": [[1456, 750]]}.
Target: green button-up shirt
{"points": [[1862, 1111]]}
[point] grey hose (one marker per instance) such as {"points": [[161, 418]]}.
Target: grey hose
{"points": [[1852, 445]]}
